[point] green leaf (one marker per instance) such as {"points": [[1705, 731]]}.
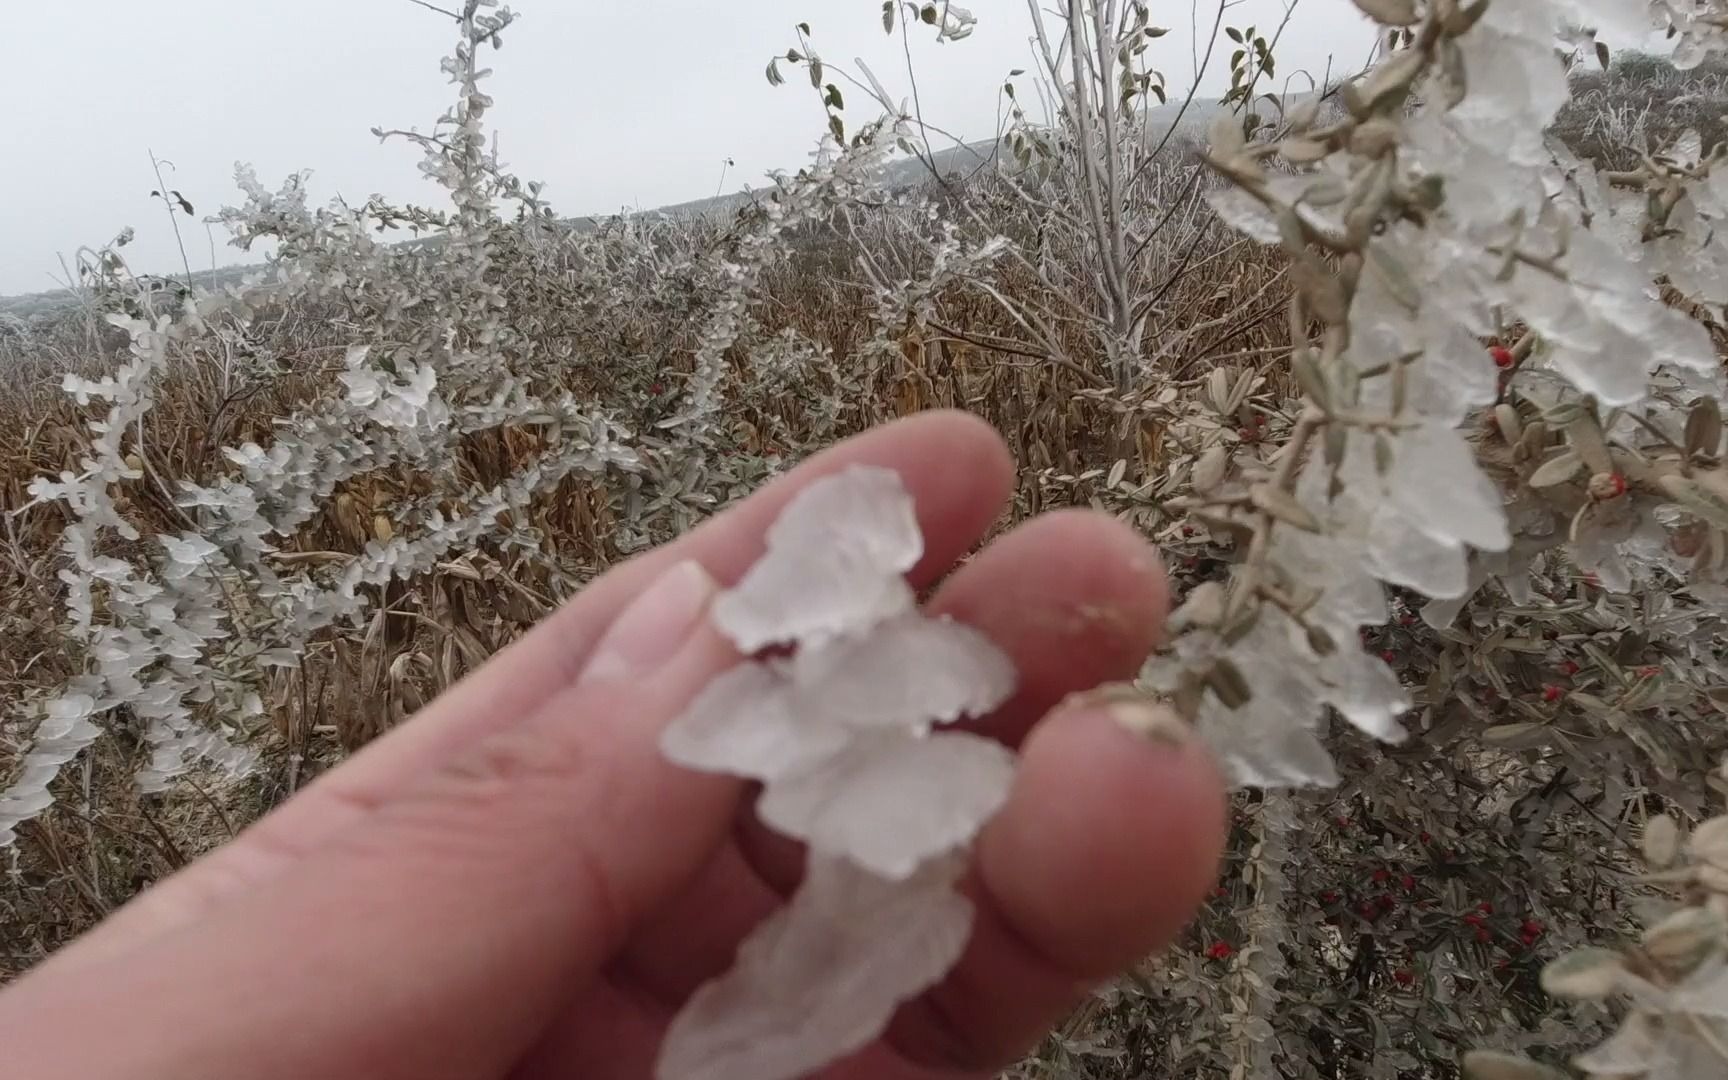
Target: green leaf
{"points": [[815, 73], [1156, 31], [888, 9], [833, 98], [837, 126], [793, 56], [774, 76], [804, 28], [928, 14], [1235, 34], [1602, 55]]}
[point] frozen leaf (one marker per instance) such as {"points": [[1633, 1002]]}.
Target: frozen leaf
{"points": [[1588, 973], [1245, 213], [783, 716], [1631, 1051], [909, 672], [821, 977], [748, 722], [1705, 991], [1493, 1065], [890, 802], [835, 564]]}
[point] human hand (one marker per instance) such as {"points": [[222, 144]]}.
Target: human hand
{"points": [[517, 884]]}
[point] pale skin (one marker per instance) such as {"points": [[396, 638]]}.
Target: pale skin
{"points": [[515, 883]]}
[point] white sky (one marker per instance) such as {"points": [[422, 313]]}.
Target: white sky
{"points": [[613, 104]]}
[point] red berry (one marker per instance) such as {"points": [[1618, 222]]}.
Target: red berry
{"points": [[1552, 694], [1569, 667], [1616, 485], [1485, 908], [1649, 671], [1220, 892], [1503, 357], [1382, 876], [1404, 976], [1386, 902], [1341, 822], [1259, 420], [1388, 655], [1187, 530], [1329, 897], [1424, 838], [1220, 950], [1474, 919], [1247, 434], [1406, 619], [658, 388], [1366, 910], [1483, 935], [1408, 882], [1532, 928]]}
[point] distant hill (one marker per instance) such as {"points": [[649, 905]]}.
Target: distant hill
{"points": [[955, 161]]}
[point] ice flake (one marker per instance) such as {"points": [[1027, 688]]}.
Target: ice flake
{"points": [[840, 732], [836, 559], [891, 802], [821, 977]]}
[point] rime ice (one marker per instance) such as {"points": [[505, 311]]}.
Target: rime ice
{"points": [[841, 735]]}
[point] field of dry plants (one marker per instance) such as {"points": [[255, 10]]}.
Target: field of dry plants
{"points": [[281, 516]]}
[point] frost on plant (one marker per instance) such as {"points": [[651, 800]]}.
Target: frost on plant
{"points": [[842, 735]]}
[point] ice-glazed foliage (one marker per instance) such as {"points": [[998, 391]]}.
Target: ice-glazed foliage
{"points": [[841, 735]]}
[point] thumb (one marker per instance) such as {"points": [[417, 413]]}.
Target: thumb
{"points": [[451, 922]]}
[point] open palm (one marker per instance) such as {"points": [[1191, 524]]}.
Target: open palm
{"points": [[517, 884]]}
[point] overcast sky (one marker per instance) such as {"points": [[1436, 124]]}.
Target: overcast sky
{"points": [[622, 103]]}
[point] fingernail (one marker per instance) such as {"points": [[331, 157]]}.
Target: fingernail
{"points": [[1154, 723], [1140, 714], [651, 627]]}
